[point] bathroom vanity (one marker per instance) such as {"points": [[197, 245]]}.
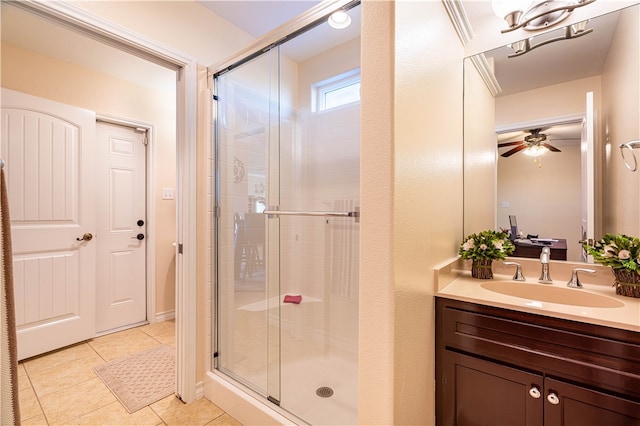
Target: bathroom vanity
{"points": [[506, 360], [501, 367]]}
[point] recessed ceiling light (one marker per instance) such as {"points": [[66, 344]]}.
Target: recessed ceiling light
{"points": [[339, 20]]}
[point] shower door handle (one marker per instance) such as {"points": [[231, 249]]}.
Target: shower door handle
{"points": [[355, 214]]}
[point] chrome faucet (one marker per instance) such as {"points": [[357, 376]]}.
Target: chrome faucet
{"points": [[517, 276], [574, 281], [545, 277]]}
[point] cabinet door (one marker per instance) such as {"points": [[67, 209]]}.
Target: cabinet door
{"points": [[577, 406], [482, 393]]}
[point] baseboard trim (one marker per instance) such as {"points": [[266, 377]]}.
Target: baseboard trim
{"points": [[165, 316]]}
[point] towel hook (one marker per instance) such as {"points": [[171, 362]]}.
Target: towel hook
{"points": [[629, 146]]}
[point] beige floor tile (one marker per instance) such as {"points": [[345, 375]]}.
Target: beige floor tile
{"points": [[29, 405], [118, 345], [116, 414], [172, 411], [59, 357], [66, 404], [65, 375], [23, 378], [168, 339], [224, 420], [159, 328], [34, 421]]}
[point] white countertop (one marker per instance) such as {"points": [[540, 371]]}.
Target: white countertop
{"points": [[458, 284]]}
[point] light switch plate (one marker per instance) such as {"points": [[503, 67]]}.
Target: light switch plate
{"points": [[167, 193]]}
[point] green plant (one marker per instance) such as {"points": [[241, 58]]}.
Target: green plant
{"points": [[486, 245], [618, 251]]}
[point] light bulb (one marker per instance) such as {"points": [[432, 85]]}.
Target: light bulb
{"points": [[535, 150]]}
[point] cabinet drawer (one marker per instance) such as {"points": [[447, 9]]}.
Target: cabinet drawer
{"points": [[600, 357]]}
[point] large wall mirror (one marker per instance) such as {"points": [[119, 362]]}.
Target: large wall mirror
{"points": [[578, 99]]}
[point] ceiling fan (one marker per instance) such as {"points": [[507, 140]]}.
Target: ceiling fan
{"points": [[534, 144]]}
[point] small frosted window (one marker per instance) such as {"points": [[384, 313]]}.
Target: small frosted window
{"points": [[343, 89], [342, 96]]}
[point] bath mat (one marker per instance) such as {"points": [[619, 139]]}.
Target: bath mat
{"points": [[140, 379]]}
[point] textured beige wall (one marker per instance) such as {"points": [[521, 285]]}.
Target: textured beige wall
{"points": [[621, 117], [412, 201], [184, 25], [24, 71], [376, 363]]}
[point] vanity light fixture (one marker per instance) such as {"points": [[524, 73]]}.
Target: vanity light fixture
{"points": [[537, 15], [573, 31], [339, 20]]}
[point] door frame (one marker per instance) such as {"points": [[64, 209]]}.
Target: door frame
{"points": [[150, 205], [186, 108]]}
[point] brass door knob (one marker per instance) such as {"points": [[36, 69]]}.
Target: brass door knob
{"points": [[86, 237]]}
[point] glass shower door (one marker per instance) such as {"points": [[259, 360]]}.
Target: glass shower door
{"points": [[288, 232], [247, 311]]}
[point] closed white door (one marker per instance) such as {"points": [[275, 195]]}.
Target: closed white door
{"points": [[49, 150], [121, 242]]}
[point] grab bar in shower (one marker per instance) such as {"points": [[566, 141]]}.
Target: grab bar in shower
{"points": [[355, 214]]}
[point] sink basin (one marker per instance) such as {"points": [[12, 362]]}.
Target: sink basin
{"points": [[550, 294]]}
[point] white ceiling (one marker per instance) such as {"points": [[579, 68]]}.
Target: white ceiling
{"points": [[258, 17]]}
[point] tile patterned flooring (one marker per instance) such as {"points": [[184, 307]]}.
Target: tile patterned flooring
{"points": [[61, 388]]}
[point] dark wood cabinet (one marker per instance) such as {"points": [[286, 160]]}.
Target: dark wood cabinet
{"points": [[578, 406], [500, 367], [479, 392]]}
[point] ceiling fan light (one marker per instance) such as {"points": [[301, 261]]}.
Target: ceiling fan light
{"points": [[339, 20], [535, 150]]}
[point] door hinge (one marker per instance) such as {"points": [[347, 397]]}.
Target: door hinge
{"points": [[179, 248], [216, 211], [142, 130], [216, 98], [215, 354]]}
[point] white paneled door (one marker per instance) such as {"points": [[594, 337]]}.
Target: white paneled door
{"points": [[121, 242], [49, 150]]}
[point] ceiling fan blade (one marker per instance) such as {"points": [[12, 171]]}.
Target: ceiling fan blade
{"points": [[500, 145], [513, 151], [550, 147]]}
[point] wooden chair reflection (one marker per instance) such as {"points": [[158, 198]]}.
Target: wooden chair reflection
{"points": [[249, 244]]}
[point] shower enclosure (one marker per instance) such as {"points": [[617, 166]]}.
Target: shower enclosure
{"points": [[287, 125]]}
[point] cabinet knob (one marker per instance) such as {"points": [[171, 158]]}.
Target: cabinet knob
{"points": [[553, 398], [535, 392]]}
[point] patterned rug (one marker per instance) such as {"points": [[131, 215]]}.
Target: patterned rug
{"points": [[141, 379]]}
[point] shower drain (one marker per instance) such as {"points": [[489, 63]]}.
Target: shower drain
{"points": [[324, 392]]}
